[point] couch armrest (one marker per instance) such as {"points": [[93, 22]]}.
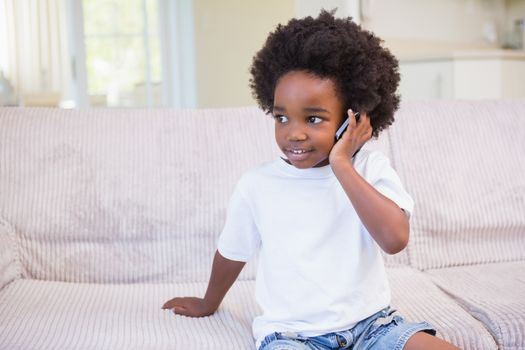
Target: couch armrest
{"points": [[10, 266]]}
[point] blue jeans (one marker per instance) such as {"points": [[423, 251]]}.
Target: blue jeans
{"points": [[381, 331]]}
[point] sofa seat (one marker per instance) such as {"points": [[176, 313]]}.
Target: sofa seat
{"points": [[129, 316], [57, 315], [418, 299], [492, 293]]}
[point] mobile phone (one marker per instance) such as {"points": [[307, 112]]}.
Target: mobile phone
{"points": [[344, 126]]}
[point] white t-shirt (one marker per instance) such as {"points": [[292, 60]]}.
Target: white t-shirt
{"points": [[319, 269]]}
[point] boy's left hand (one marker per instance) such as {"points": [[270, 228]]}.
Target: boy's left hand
{"points": [[357, 134]]}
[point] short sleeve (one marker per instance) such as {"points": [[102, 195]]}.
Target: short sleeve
{"points": [[381, 175], [239, 239]]}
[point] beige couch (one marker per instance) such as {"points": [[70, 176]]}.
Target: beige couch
{"points": [[106, 214]]}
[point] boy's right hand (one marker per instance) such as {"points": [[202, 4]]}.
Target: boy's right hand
{"points": [[189, 306], [223, 274]]}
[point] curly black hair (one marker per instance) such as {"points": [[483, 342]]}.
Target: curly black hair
{"points": [[364, 73]]}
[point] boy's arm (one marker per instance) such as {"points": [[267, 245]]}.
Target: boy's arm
{"points": [[223, 273], [383, 218]]}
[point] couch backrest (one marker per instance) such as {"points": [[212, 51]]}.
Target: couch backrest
{"points": [[124, 195], [118, 196], [464, 163]]}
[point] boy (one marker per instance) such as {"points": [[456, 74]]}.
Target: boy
{"points": [[320, 216]]}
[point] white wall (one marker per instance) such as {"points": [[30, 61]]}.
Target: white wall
{"points": [[455, 21], [228, 33], [344, 8]]}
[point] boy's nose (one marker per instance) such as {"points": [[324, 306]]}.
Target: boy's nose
{"points": [[297, 135]]}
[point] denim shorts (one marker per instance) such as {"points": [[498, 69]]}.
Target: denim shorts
{"points": [[384, 330]]}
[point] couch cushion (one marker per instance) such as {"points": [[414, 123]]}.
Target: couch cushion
{"points": [[493, 294], [463, 163], [57, 315], [120, 196], [418, 299], [111, 195], [10, 267]]}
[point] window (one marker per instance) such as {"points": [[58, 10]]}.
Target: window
{"points": [[122, 48], [132, 53]]}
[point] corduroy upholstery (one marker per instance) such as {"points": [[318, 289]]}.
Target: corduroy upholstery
{"points": [[59, 315], [464, 164], [123, 196], [493, 294], [10, 267], [417, 299], [107, 213]]}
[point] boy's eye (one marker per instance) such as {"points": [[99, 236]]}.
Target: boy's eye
{"points": [[314, 120], [281, 118]]}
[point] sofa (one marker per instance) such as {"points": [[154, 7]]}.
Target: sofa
{"points": [[105, 214]]}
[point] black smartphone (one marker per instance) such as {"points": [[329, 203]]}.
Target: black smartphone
{"points": [[344, 126]]}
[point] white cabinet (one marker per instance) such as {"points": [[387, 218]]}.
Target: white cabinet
{"points": [[499, 74], [513, 72], [426, 80]]}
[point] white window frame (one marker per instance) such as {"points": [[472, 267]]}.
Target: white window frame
{"points": [[177, 54]]}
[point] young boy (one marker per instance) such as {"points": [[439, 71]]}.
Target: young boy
{"points": [[320, 216]]}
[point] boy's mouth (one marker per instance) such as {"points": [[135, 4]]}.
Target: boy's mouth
{"points": [[297, 154]]}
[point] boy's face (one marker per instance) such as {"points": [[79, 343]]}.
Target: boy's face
{"points": [[307, 113]]}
